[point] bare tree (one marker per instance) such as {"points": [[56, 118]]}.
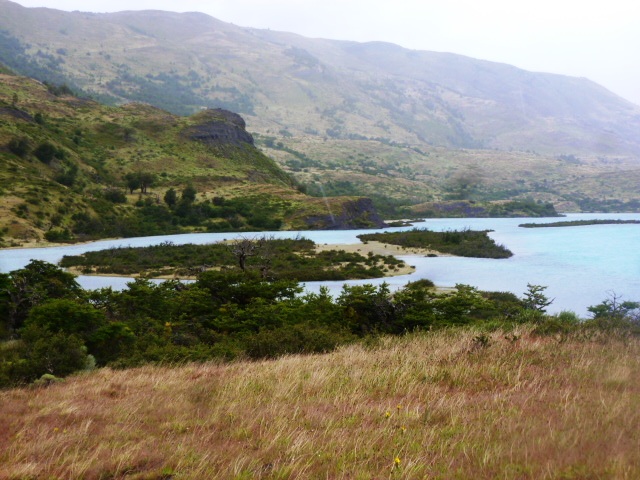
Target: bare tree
{"points": [[242, 248], [261, 247]]}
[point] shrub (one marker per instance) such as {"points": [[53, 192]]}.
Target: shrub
{"points": [[115, 196], [19, 146], [60, 235], [45, 152], [58, 354], [563, 323], [301, 338], [68, 177]]}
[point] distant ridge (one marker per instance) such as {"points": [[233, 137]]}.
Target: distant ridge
{"points": [[302, 86], [402, 127]]}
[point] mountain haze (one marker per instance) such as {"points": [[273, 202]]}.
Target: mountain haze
{"points": [[322, 87], [346, 118]]}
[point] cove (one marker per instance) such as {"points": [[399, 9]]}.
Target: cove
{"points": [[580, 265]]}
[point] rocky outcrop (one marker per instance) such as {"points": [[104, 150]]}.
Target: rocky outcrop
{"points": [[219, 127], [358, 213]]}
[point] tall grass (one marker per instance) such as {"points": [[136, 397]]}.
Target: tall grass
{"points": [[452, 404]]}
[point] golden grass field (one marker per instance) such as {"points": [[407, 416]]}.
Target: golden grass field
{"points": [[430, 405]]}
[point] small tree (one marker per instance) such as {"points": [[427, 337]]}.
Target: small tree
{"points": [[189, 194], [146, 180], [51, 353], [243, 248], [171, 197], [133, 181], [615, 308], [534, 299]]}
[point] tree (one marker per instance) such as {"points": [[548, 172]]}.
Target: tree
{"points": [[171, 197], [141, 180], [189, 194], [465, 182], [33, 285], [67, 316], [535, 300], [243, 288], [133, 181], [242, 248], [615, 308], [146, 180], [56, 354], [368, 309], [5, 284]]}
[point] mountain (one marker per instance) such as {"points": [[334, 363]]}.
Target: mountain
{"points": [[334, 88], [73, 169], [345, 116]]}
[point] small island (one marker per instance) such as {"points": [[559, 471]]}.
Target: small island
{"points": [[462, 243], [578, 223], [297, 259]]}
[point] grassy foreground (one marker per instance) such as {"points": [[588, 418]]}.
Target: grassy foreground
{"points": [[451, 404]]}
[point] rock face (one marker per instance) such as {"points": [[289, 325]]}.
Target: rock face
{"points": [[358, 213], [219, 127]]}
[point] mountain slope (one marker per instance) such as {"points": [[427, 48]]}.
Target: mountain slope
{"points": [[72, 168], [328, 88], [373, 119]]}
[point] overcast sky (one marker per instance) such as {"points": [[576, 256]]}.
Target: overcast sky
{"points": [[596, 39]]}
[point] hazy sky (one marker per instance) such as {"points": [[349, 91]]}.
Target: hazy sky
{"points": [[596, 39]]}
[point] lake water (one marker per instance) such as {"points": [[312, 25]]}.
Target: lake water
{"points": [[580, 266]]}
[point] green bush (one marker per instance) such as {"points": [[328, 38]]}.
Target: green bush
{"points": [[562, 323], [59, 235], [19, 146], [115, 196], [296, 339], [46, 152], [58, 354]]}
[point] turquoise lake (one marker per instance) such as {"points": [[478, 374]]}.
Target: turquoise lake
{"points": [[580, 266]]}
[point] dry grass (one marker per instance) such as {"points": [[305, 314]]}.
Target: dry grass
{"points": [[424, 406]]}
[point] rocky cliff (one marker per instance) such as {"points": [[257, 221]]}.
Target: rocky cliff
{"points": [[359, 213], [218, 126]]}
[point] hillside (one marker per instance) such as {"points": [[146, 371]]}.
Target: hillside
{"points": [[432, 405], [74, 169], [337, 89], [407, 126]]}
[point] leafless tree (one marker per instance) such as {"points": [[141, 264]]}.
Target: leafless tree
{"points": [[243, 248]]}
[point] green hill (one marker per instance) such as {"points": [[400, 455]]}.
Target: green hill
{"points": [[74, 169]]}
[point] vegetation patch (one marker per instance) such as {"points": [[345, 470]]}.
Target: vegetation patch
{"points": [[291, 259], [464, 243], [578, 223]]}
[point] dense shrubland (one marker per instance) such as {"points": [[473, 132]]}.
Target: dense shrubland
{"points": [[290, 259], [53, 327], [464, 243]]}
